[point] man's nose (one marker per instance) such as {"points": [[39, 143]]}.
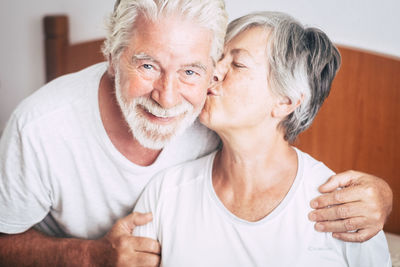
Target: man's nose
{"points": [[166, 92]]}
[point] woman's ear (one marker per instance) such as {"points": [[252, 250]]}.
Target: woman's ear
{"points": [[285, 106]]}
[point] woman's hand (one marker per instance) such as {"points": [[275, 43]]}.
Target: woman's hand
{"points": [[357, 211]]}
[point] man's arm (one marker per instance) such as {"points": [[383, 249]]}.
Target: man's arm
{"points": [[357, 211], [117, 248], [35, 249]]}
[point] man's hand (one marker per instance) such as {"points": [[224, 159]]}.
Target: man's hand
{"points": [[357, 211], [117, 248], [123, 249]]}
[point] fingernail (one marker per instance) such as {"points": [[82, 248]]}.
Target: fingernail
{"points": [[319, 227], [312, 217], [314, 204]]}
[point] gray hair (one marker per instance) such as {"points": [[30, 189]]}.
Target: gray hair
{"points": [[302, 63], [210, 14]]}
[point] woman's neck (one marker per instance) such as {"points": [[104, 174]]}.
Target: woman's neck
{"points": [[253, 172]]}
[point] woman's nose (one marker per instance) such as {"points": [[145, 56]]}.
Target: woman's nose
{"points": [[219, 72]]}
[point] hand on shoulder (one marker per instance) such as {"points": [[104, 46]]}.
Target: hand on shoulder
{"points": [[354, 206]]}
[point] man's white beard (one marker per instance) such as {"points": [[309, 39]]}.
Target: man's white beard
{"points": [[148, 134]]}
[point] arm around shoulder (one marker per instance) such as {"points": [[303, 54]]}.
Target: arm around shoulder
{"points": [[357, 211]]}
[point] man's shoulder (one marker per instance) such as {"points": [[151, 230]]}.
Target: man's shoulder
{"points": [[58, 96]]}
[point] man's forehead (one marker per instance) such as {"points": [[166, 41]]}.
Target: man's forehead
{"points": [[172, 40]]}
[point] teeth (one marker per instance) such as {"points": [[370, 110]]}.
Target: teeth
{"points": [[158, 115]]}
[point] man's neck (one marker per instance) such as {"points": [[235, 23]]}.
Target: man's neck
{"points": [[118, 130]]}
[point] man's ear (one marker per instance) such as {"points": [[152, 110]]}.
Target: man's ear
{"points": [[111, 70], [284, 106]]}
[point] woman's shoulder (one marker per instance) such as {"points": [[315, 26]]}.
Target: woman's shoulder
{"points": [[176, 177], [312, 171], [312, 165]]}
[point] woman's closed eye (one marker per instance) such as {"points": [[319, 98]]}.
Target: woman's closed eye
{"points": [[238, 65]]}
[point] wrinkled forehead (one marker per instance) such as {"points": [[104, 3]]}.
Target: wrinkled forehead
{"points": [[254, 40], [171, 40]]}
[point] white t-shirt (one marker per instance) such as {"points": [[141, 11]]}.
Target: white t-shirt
{"points": [[59, 167], [195, 229]]}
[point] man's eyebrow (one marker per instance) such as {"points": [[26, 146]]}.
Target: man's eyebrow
{"points": [[198, 65], [143, 56]]}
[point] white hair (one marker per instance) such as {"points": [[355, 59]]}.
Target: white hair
{"points": [[210, 14]]}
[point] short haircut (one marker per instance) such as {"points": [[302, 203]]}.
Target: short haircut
{"points": [[210, 14], [302, 63]]}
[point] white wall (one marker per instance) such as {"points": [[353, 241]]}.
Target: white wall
{"points": [[368, 24], [22, 47]]}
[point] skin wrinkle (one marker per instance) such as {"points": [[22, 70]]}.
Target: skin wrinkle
{"points": [[168, 73], [242, 81]]}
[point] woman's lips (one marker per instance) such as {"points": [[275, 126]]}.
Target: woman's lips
{"points": [[212, 92]]}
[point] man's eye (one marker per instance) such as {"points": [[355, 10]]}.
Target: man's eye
{"points": [[147, 66], [189, 72]]}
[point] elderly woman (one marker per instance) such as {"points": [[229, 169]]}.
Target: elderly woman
{"points": [[247, 204]]}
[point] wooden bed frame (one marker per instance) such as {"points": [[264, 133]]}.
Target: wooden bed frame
{"points": [[357, 128]]}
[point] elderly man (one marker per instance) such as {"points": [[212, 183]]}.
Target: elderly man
{"points": [[76, 155]]}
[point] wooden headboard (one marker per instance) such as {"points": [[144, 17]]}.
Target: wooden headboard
{"points": [[357, 128], [62, 57]]}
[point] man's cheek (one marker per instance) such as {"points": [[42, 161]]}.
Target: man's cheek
{"points": [[136, 87]]}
